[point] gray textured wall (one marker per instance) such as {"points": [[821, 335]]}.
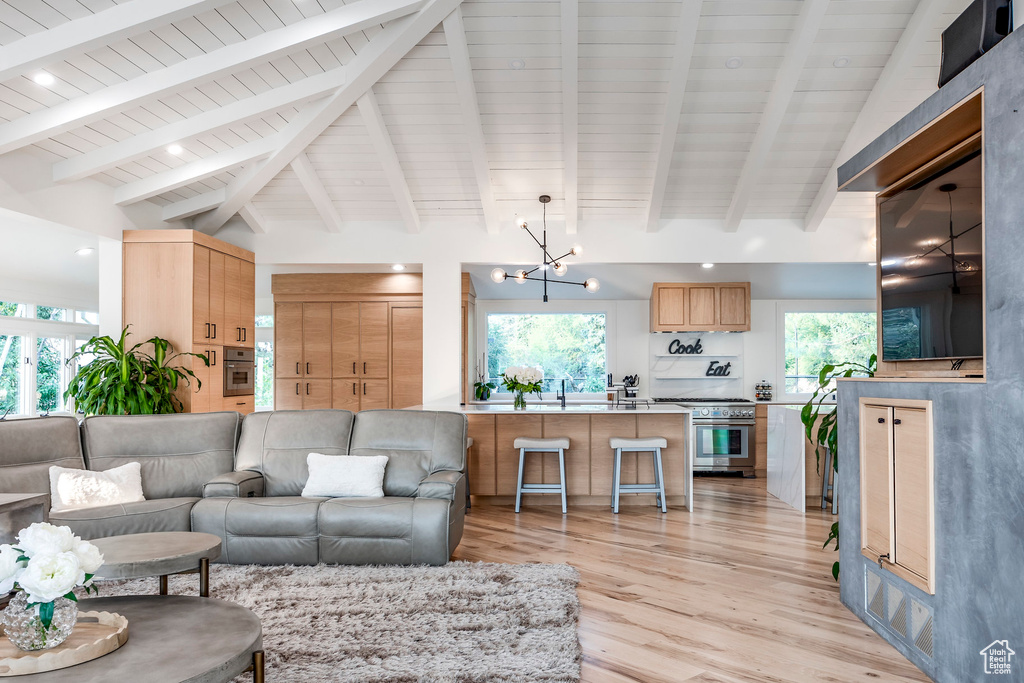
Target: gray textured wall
{"points": [[979, 428]]}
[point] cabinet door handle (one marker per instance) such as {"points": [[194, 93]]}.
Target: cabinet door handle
{"points": [[213, 352], [297, 370], [307, 369], [296, 388], [353, 367], [240, 403], [354, 389], [245, 334], [897, 421], [881, 420], [364, 367], [207, 330], [214, 330], [364, 388], [882, 557], [307, 388]]}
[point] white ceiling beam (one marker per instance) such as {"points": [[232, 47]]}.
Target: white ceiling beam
{"points": [[385, 149], [193, 205], [800, 43], [183, 175], [682, 54], [317, 192], [920, 29], [94, 31], [371, 63], [202, 69], [458, 53], [570, 111], [256, 221]]}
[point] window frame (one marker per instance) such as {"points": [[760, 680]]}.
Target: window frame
{"points": [[811, 306], [264, 334], [527, 307]]}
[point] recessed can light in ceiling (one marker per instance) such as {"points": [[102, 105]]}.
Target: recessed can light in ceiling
{"points": [[175, 149], [517, 64], [357, 181], [398, 266], [841, 62], [707, 265], [44, 78], [734, 62]]}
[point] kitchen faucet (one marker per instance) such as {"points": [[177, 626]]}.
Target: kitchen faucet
{"points": [[561, 396]]}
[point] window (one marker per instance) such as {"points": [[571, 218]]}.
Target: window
{"points": [[816, 338], [264, 321], [13, 310], [569, 346], [264, 336]]}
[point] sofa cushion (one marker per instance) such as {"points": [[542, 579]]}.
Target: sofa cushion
{"points": [[277, 443], [29, 447], [417, 443], [166, 514], [345, 476], [390, 530], [179, 453], [280, 530], [72, 488]]}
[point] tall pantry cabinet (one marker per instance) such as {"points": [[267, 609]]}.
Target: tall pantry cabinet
{"points": [[347, 341], [197, 292]]}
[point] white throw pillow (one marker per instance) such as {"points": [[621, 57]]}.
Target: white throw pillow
{"points": [[72, 489], [345, 476]]}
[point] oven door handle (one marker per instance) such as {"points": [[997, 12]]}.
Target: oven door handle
{"points": [[723, 423]]}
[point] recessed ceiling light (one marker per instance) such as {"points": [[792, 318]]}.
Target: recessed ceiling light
{"points": [[398, 266], [707, 265], [733, 63], [841, 62], [517, 64], [44, 78], [358, 182], [84, 251], [175, 149]]}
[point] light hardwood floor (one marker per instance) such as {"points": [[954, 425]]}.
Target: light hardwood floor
{"points": [[738, 590]]}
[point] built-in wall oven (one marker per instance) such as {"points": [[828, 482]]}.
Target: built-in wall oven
{"points": [[239, 372], [721, 434]]}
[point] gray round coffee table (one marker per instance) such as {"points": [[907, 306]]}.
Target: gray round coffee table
{"points": [[172, 638], [160, 553]]}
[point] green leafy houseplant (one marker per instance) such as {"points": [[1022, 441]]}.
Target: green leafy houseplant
{"points": [[483, 390], [129, 381], [825, 433]]}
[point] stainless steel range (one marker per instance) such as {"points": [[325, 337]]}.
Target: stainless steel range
{"points": [[721, 433]]}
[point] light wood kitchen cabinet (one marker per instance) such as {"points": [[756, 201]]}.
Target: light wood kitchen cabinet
{"points": [[700, 307], [247, 308], [302, 394], [316, 340], [897, 497], [406, 356], [231, 332], [175, 287], [287, 341], [359, 394], [359, 339]]}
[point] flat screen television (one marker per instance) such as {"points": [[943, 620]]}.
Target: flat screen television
{"points": [[930, 238]]}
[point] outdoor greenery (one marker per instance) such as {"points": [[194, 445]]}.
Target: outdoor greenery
{"points": [[814, 340], [264, 374], [128, 381], [824, 432], [10, 373], [568, 346]]}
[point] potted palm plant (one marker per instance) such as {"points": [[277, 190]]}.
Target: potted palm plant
{"points": [[123, 380]]}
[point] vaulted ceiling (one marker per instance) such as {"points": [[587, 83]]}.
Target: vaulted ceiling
{"points": [[416, 111]]}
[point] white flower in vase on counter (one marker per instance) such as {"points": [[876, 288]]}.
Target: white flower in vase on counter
{"points": [[522, 380]]}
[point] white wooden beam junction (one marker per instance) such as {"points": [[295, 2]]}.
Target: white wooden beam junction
{"points": [[385, 149]]}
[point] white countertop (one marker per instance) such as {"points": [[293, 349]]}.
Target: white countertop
{"points": [[534, 408]]}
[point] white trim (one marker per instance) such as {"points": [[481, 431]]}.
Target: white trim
{"points": [[485, 307], [782, 307]]}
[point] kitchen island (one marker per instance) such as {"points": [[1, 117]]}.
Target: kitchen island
{"points": [[494, 461]]}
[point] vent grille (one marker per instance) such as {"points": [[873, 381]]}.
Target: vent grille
{"points": [[908, 620], [924, 641]]}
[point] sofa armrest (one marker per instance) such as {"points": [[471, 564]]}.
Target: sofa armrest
{"points": [[441, 484], [243, 484]]}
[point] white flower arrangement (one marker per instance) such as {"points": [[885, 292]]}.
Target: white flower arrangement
{"points": [[47, 563], [522, 379]]}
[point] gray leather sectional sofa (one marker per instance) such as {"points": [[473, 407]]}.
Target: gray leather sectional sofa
{"points": [[242, 480]]}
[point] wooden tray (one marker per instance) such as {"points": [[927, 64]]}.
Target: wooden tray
{"points": [[95, 634]]}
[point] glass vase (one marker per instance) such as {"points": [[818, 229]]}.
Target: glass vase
{"points": [[23, 627], [519, 401]]}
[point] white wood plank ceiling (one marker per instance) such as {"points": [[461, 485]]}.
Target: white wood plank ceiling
{"points": [[415, 111]]}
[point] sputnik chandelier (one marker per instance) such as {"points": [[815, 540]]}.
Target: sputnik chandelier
{"points": [[548, 262]]}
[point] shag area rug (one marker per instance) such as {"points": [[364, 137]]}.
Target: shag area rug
{"points": [[463, 622]]}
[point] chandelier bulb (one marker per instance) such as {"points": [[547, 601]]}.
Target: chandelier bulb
{"points": [[498, 275], [521, 222], [576, 250], [520, 277], [592, 284], [560, 269]]}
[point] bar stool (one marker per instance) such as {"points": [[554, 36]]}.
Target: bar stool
{"points": [[827, 474], [529, 445], [648, 445], [469, 445]]}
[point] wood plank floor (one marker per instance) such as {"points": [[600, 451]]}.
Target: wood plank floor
{"points": [[739, 590]]}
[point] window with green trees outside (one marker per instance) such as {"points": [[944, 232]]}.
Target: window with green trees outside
{"points": [[814, 339], [569, 346]]}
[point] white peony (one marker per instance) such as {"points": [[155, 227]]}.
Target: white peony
{"points": [[10, 568], [50, 576], [89, 556], [44, 538]]}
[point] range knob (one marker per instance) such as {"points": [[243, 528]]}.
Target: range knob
{"points": [[705, 411], [725, 412], [748, 413]]}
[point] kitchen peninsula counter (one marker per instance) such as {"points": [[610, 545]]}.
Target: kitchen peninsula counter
{"points": [[494, 461]]}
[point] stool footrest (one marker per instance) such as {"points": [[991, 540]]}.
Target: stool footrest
{"points": [[541, 488], [639, 488]]}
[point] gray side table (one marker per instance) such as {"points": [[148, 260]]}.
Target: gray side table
{"points": [[18, 510], [160, 553], [172, 638]]}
